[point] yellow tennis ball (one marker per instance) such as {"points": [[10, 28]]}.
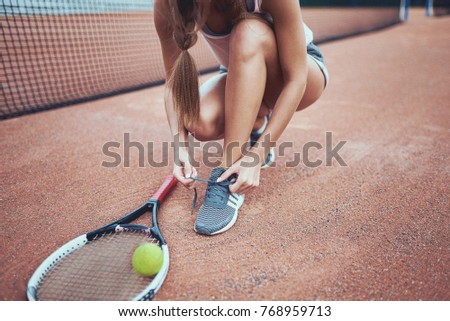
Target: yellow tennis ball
{"points": [[147, 259]]}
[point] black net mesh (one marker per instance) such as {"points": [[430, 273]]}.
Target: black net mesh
{"points": [[59, 52]]}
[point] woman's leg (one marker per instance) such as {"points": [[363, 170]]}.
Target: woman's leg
{"points": [[234, 103], [315, 84], [249, 55], [211, 125], [231, 105], [255, 81]]}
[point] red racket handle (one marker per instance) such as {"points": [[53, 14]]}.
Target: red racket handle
{"points": [[169, 183]]}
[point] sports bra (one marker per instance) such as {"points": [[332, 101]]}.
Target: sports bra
{"points": [[219, 43]]}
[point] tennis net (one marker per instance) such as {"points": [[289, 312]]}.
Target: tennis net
{"points": [[57, 53]]}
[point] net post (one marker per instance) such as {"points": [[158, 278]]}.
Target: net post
{"points": [[404, 10], [428, 8]]}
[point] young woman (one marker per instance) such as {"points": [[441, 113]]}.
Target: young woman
{"points": [[270, 69]]}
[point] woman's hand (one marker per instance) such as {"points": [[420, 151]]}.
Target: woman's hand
{"points": [[248, 175], [183, 170]]}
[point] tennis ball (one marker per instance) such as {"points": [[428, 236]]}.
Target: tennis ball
{"points": [[147, 259]]}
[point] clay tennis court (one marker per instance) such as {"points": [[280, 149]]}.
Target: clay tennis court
{"points": [[376, 229]]}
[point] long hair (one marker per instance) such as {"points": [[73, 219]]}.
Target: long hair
{"points": [[183, 80]]}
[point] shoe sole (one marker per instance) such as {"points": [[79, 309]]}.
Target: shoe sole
{"points": [[231, 223]]}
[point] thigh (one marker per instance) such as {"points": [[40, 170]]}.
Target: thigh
{"points": [[212, 109], [315, 83]]}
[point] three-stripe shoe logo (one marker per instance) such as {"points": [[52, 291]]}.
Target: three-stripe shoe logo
{"points": [[235, 200]]}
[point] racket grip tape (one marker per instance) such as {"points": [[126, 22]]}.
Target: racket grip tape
{"points": [[169, 183]]}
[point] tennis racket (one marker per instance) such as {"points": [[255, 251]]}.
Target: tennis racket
{"points": [[97, 265]]}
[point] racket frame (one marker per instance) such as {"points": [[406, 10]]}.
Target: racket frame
{"points": [[117, 226]]}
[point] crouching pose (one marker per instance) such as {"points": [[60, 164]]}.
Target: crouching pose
{"points": [[270, 68]]}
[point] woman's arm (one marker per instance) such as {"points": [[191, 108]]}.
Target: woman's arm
{"points": [[290, 37]]}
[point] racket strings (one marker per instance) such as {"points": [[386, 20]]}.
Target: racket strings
{"points": [[100, 270]]}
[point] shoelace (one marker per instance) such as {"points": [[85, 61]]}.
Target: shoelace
{"points": [[213, 188]]}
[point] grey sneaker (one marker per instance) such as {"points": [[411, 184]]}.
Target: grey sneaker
{"points": [[219, 210], [254, 136]]}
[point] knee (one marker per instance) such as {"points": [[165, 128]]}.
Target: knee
{"points": [[314, 87], [309, 99], [250, 38], [207, 127]]}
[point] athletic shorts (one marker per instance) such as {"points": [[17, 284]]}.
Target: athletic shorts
{"points": [[314, 52]]}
